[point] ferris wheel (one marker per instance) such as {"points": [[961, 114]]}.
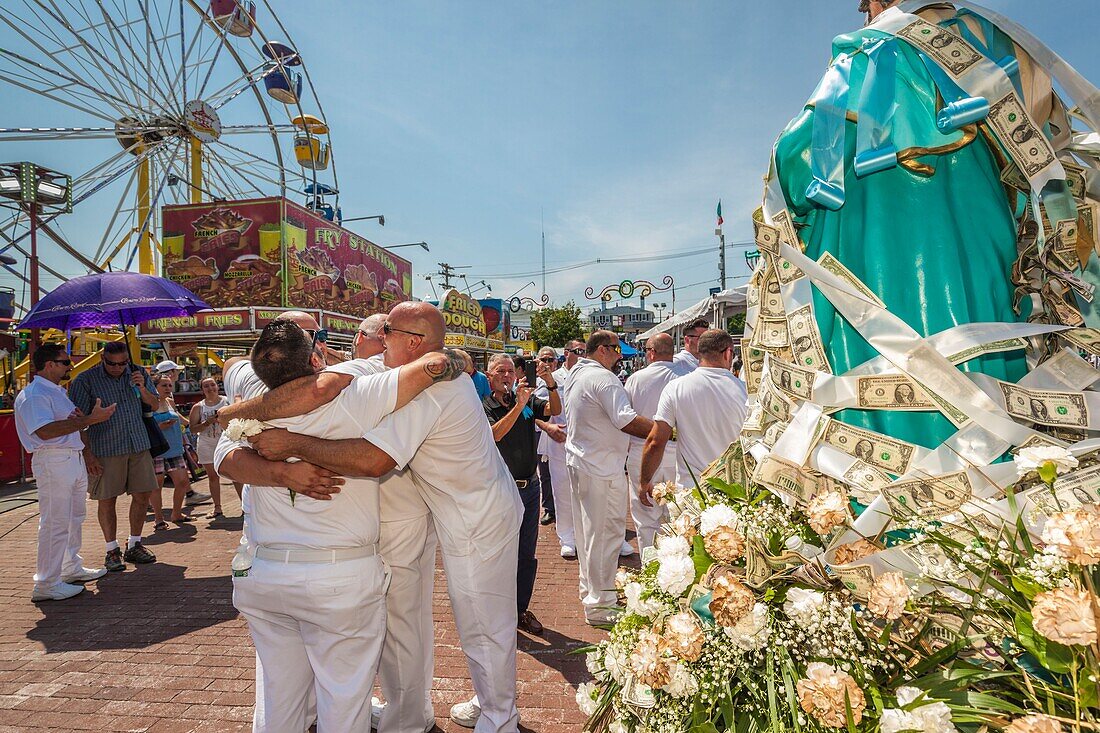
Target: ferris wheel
{"points": [[154, 102]]}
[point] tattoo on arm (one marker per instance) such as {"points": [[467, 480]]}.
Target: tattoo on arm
{"points": [[448, 370]]}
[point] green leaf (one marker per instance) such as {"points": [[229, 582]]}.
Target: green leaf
{"points": [[733, 491], [1029, 588], [1054, 657], [700, 557]]}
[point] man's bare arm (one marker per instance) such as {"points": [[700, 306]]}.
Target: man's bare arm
{"points": [[417, 376], [246, 466], [287, 400], [348, 457], [652, 455], [639, 427]]}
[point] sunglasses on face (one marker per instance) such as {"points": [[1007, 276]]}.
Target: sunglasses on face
{"points": [[108, 362], [368, 334], [577, 352], [616, 348], [388, 329], [319, 335], [547, 359], [66, 362]]}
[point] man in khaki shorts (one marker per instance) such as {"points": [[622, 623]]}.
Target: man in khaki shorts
{"points": [[117, 451]]}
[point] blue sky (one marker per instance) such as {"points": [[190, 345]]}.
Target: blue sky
{"points": [[619, 125]]}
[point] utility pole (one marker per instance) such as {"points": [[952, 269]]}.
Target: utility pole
{"points": [[447, 273], [721, 257], [542, 224]]}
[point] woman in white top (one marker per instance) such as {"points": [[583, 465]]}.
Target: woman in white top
{"points": [[205, 427]]}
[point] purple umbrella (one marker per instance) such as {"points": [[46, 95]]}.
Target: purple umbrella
{"points": [[111, 299]]}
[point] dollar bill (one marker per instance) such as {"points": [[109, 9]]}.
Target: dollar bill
{"points": [[783, 222], [786, 272], [771, 333], [1012, 176], [1071, 370], [774, 403], [865, 482], [891, 392], [638, 695], [991, 347], [771, 299], [767, 238], [1070, 492], [754, 369], [957, 417], [752, 298], [1035, 441], [832, 264], [757, 570], [1046, 407], [892, 456], [1075, 179], [772, 434], [728, 467], [805, 340], [856, 578], [1018, 133], [786, 478], [754, 422], [951, 52], [793, 380], [933, 561], [931, 497], [1086, 217], [1083, 338], [1063, 245], [1083, 486]]}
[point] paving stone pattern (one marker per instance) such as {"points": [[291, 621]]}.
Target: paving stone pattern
{"points": [[160, 647]]}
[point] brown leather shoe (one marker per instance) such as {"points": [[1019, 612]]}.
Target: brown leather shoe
{"points": [[530, 624]]}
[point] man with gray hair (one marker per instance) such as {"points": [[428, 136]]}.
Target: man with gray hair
{"points": [[552, 445], [644, 387]]}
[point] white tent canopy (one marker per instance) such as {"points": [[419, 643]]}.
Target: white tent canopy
{"points": [[715, 308]]}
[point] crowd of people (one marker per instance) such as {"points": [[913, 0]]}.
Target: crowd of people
{"points": [[356, 472]]}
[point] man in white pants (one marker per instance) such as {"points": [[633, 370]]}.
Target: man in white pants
{"points": [[552, 445], [707, 409], [444, 438], [644, 387], [314, 597], [599, 420], [49, 425], [407, 541]]}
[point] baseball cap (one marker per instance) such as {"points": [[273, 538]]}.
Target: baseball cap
{"points": [[166, 366]]}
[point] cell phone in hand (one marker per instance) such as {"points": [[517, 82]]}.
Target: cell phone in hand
{"points": [[530, 371]]}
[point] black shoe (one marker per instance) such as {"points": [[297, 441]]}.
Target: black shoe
{"points": [[139, 555], [547, 518], [530, 624], [114, 560]]}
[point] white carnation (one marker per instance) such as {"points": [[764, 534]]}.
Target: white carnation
{"points": [[676, 574], [670, 546], [751, 631], [618, 726], [634, 603], [1030, 459], [238, 430], [719, 515], [617, 663], [802, 606], [586, 697], [592, 662], [932, 717], [681, 682]]}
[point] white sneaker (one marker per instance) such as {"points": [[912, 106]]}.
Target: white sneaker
{"points": [[56, 592], [197, 497], [568, 551], [467, 713], [626, 550], [85, 575], [376, 708]]}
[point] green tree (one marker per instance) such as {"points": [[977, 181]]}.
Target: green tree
{"points": [[736, 323], [554, 325]]}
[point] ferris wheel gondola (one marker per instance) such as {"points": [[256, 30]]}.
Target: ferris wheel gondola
{"points": [[148, 103]]}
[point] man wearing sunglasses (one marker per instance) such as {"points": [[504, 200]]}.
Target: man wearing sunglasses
{"points": [[547, 358], [117, 453], [442, 436], [600, 422], [552, 445], [49, 426], [687, 359]]}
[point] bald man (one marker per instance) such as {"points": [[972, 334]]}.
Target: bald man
{"points": [[644, 387], [444, 440]]}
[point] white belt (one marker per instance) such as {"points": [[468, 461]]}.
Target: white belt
{"points": [[335, 555], [56, 449]]}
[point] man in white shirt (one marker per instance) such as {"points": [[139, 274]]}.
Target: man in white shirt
{"points": [[644, 387], [443, 437], [599, 421], [706, 408], [49, 425], [552, 445], [314, 598], [687, 359]]}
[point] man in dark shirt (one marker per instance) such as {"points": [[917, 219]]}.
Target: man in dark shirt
{"points": [[512, 415]]}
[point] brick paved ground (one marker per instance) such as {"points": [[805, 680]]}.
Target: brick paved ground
{"points": [[160, 647]]}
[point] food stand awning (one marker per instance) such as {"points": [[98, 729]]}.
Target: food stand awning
{"points": [[715, 308]]}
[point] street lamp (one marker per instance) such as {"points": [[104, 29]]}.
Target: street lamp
{"points": [[410, 244], [380, 217], [752, 258], [660, 307]]}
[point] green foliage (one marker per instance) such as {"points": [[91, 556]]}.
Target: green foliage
{"points": [[736, 323], [555, 325]]}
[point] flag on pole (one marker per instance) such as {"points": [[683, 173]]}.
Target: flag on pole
{"points": [[720, 219]]}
